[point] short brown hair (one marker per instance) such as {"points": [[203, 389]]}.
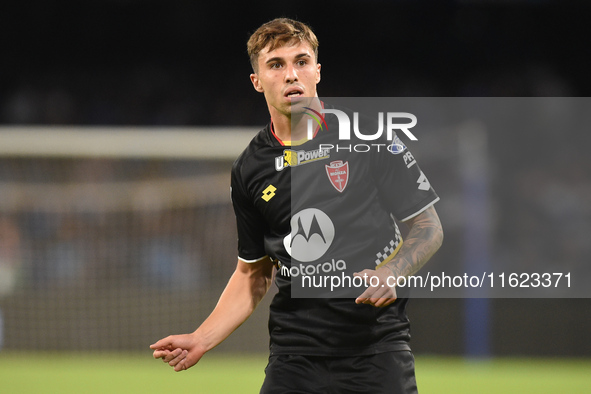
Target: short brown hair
{"points": [[279, 32]]}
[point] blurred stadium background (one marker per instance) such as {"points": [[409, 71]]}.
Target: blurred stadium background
{"points": [[113, 233]]}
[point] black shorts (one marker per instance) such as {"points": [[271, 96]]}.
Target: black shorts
{"points": [[383, 373]]}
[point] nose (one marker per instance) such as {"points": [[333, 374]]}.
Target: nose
{"points": [[290, 74]]}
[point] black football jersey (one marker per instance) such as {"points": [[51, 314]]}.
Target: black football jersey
{"points": [[324, 210]]}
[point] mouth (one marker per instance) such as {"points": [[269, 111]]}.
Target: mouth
{"points": [[294, 91]]}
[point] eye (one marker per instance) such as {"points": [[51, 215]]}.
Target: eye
{"points": [[301, 63], [275, 65]]}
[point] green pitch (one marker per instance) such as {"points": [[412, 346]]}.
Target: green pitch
{"points": [[220, 373]]}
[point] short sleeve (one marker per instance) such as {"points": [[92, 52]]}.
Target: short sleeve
{"points": [[403, 188], [250, 223]]}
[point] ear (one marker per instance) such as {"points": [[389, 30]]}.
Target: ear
{"points": [[256, 82], [318, 66]]}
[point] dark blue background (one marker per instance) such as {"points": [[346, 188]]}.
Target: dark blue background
{"points": [[184, 62]]}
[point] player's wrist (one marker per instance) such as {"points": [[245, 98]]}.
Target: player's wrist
{"points": [[391, 270], [201, 342]]}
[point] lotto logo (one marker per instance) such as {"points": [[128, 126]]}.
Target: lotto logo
{"points": [[268, 193]]}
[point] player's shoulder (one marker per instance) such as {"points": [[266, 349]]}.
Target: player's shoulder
{"points": [[260, 140], [250, 154]]}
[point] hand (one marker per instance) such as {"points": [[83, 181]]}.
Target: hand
{"points": [[180, 351], [379, 293]]}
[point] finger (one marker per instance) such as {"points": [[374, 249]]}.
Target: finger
{"points": [[380, 294], [172, 355], [188, 362], [380, 302], [383, 297], [161, 353], [386, 302], [366, 295], [182, 363], [363, 297], [164, 343], [181, 356], [181, 366], [371, 295]]}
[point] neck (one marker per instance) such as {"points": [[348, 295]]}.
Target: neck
{"points": [[293, 127]]}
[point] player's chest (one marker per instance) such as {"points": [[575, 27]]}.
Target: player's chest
{"points": [[296, 178]]}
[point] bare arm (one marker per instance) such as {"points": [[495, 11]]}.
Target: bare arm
{"points": [[245, 289], [423, 240]]}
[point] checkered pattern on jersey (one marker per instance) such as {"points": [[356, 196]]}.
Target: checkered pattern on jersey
{"points": [[390, 248]]}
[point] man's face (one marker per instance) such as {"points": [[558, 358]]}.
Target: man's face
{"points": [[284, 74]]}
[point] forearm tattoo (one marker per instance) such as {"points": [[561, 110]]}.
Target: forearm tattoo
{"points": [[423, 240]]}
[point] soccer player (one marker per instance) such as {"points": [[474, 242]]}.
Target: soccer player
{"points": [[305, 209]]}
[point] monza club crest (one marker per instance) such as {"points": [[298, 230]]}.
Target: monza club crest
{"points": [[338, 174]]}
